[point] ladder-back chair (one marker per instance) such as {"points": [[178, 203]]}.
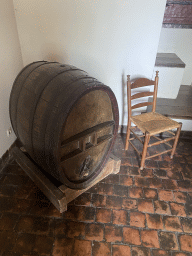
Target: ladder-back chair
{"points": [[150, 123]]}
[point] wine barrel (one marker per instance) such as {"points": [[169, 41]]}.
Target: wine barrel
{"points": [[66, 120]]}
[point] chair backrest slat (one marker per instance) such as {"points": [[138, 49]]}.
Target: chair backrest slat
{"points": [[143, 104], [142, 82], [141, 94]]}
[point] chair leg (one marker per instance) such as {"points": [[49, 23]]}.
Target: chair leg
{"points": [[176, 140], [127, 136], [146, 142]]}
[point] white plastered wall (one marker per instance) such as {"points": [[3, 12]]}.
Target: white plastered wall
{"points": [[108, 39], [179, 41], [10, 64]]}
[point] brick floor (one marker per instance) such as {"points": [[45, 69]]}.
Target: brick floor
{"points": [[132, 213]]}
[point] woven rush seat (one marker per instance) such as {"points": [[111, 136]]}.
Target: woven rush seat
{"points": [[154, 123]]}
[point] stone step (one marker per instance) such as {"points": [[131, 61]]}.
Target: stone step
{"points": [[179, 109]]}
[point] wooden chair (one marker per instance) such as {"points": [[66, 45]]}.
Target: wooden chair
{"points": [[150, 123]]}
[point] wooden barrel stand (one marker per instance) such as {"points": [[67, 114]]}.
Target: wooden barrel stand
{"points": [[59, 194]]}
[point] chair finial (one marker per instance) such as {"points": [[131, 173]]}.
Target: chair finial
{"points": [[157, 73], [128, 78]]}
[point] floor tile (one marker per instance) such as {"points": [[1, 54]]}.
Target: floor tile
{"points": [[126, 180], [166, 195], [25, 243], [168, 241], [140, 251], [63, 246], [121, 250], [150, 193], [161, 207], [99, 249], [180, 197], [172, 223], [74, 229], [94, 232], [84, 199], [150, 238], [137, 219], [145, 206], [120, 217], [114, 202], [135, 192], [43, 245], [98, 200], [103, 215], [186, 224], [178, 209], [154, 221], [119, 190], [131, 236], [157, 252], [8, 221], [33, 224], [82, 248], [185, 242], [113, 233], [129, 204], [7, 240]]}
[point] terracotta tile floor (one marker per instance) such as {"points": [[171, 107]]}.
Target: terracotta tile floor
{"points": [[133, 213]]}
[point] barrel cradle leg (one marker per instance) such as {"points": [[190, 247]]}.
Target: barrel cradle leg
{"points": [[54, 194], [146, 142], [176, 140]]}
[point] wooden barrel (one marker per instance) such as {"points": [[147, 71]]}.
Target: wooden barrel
{"points": [[66, 120]]}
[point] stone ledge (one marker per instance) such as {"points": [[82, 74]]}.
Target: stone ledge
{"points": [[168, 60]]}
